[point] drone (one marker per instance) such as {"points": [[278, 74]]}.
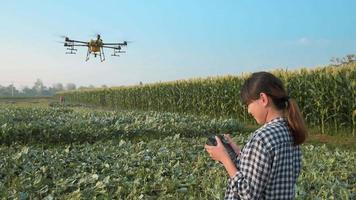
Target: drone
{"points": [[95, 47]]}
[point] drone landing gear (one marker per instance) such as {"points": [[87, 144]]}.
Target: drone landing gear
{"points": [[101, 54], [117, 52], [88, 53], [71, 51]]}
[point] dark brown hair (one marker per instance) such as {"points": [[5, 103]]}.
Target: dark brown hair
{"points": [[273, 87]]}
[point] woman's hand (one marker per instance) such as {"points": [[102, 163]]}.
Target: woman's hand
{"points": [[234, 146], [217, 152]]}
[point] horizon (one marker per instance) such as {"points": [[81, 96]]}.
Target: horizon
{"points": [[90, 86]]}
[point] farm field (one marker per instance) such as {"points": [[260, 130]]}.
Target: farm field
{"points": [[117, 100], [66, 152]]}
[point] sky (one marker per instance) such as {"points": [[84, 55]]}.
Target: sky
{"points": [[170, 40]]}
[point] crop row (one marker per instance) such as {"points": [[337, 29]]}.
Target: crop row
{"points": [[64, 125]]}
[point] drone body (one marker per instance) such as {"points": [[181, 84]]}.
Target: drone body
{"points": [[95, 47]]}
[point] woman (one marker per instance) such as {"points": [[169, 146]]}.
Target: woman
{"points": [[270, 162]]}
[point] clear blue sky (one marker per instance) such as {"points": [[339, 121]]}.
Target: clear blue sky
{"points": [[171, 39]]}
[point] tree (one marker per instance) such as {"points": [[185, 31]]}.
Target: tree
{"points": [[38, 87], [9, 91], [26, 91], [71, 86], [58, 87], [345, 60]]}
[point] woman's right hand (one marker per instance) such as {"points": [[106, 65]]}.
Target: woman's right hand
{"points": [[232, 144]]}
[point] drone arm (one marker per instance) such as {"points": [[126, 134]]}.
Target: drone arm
{"points": [[111, 47], [76, 41], [120, 44], [74, 45], [78, 45]]}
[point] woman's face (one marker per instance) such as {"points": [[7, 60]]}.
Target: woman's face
{"points": [[257, 108]]}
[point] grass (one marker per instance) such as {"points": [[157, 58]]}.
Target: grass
{"points": [[27, 101], [343, 139]]}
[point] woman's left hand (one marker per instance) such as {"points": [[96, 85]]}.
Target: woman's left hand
{"points": [[217, 152]]}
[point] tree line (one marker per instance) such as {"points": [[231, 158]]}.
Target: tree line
{"points": [[38, 89]]}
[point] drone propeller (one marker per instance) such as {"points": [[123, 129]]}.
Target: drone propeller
{"points": [[96, 35], [64, 37], [64, 43], [127, 42]]}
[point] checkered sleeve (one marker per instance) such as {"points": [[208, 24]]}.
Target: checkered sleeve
{"points": [[253, 171]]}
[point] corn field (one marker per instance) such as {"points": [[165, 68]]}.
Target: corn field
{"points": [[326, 96]]}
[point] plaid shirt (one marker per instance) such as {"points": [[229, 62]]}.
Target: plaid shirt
{"points": [[268, 165]]}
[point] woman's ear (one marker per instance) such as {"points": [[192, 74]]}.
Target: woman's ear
{"points": [[264, 99]]}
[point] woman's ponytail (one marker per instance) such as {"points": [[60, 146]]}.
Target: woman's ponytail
{"points": [[296, 122]]}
